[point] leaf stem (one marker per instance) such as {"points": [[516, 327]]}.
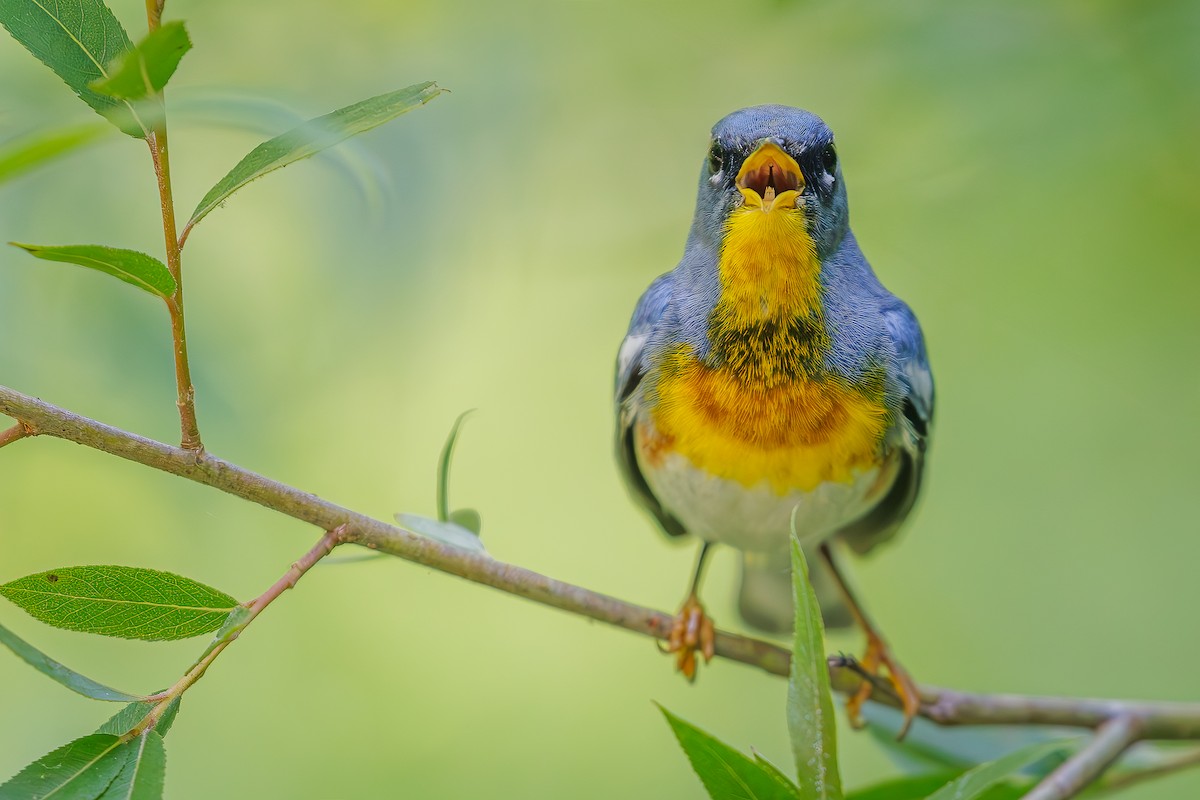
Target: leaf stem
{"points": [[1112, 739], [163, 700]]}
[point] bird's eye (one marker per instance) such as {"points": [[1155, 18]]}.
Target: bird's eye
{"points": [[829, 159], [716, 159]]}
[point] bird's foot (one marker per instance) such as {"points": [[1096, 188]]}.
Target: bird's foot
{"points": [[877, 658], [692, 633]]}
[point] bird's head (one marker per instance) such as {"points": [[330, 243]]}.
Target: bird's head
{"points": [[777, 160]]}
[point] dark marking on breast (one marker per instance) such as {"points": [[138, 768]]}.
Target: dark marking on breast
{"points": [[769, 352]]}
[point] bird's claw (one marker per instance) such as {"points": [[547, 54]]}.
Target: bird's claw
{"points": [[692, 633], [877, 658]]}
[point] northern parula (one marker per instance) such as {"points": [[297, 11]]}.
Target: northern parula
{"points": [[771, 380]]}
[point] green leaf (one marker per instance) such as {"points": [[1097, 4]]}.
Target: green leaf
{"points": [[726, 773], [911, 787], [75, 771], [138, 269], [56, 671], [128, 602], [77, 40], [311, 138], [467, 518], [128, 717], [932, 748], [141, 778], [444, 460], [449, 533], [767, 766], [145, 69], [811, 723], [25, 153], [975, 782]]}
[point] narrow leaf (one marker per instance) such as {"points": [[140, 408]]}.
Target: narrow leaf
{"points": [[311, 138], [444, 460], [911, 787], [138, 269], [141, 778], [770, 768], [145, 69], [77, 40], [445, 532], [56, 671], [932, 748], [81, 769], [975, 782], [726, 773], [128, 717], [128, 602], [23, 154], [811, 723]]}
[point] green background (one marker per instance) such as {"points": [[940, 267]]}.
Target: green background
{"points": [[1023, 174]]}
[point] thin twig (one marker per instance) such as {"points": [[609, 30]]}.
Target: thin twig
{"points": [[943, 706], [1112, 739], [160, 156], [1113, 782], [154, 10], [18, 431], [163, 700]]}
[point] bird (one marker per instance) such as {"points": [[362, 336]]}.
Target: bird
{"points": [[769, 383]]}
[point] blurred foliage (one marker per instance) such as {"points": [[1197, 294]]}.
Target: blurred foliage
{"points": [[1022, 173]]}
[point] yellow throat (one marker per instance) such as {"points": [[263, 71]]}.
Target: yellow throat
{"points": [[764, 408]]}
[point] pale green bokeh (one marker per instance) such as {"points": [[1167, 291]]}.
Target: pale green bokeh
{"points": [[1024, 174]]}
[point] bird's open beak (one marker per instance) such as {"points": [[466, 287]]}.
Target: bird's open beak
{"points": [[770, 178]]}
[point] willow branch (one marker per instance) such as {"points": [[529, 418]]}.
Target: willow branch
{"points": [[18, 431], [209, 470], [1112, 739], [942, 706], [163, 700], [156, 139]]}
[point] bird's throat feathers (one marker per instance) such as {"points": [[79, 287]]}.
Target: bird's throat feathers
{"points": [[768, 323], [768, 268]]}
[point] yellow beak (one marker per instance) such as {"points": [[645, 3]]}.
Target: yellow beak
{"points": [[770, 178]]}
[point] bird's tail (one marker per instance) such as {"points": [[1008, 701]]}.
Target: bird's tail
{"points": [[765, 601]]}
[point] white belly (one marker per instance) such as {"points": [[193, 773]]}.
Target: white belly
{"points": [[756, 518]]}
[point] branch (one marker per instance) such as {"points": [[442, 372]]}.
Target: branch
{"points": [[942, 706], [226, 636], [1158, 720], [185, 399], [371, 533], [18, 431], [1112, 739], [1183, 760]]}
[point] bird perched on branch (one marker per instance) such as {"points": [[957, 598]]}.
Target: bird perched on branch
{"points": [[770, 380]]}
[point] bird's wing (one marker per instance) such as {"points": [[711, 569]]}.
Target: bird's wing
{"points": [[912, 434], [650, 310]]}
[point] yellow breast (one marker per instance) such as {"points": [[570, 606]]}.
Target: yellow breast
{"points": [[763, 407], [794, 436]]}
